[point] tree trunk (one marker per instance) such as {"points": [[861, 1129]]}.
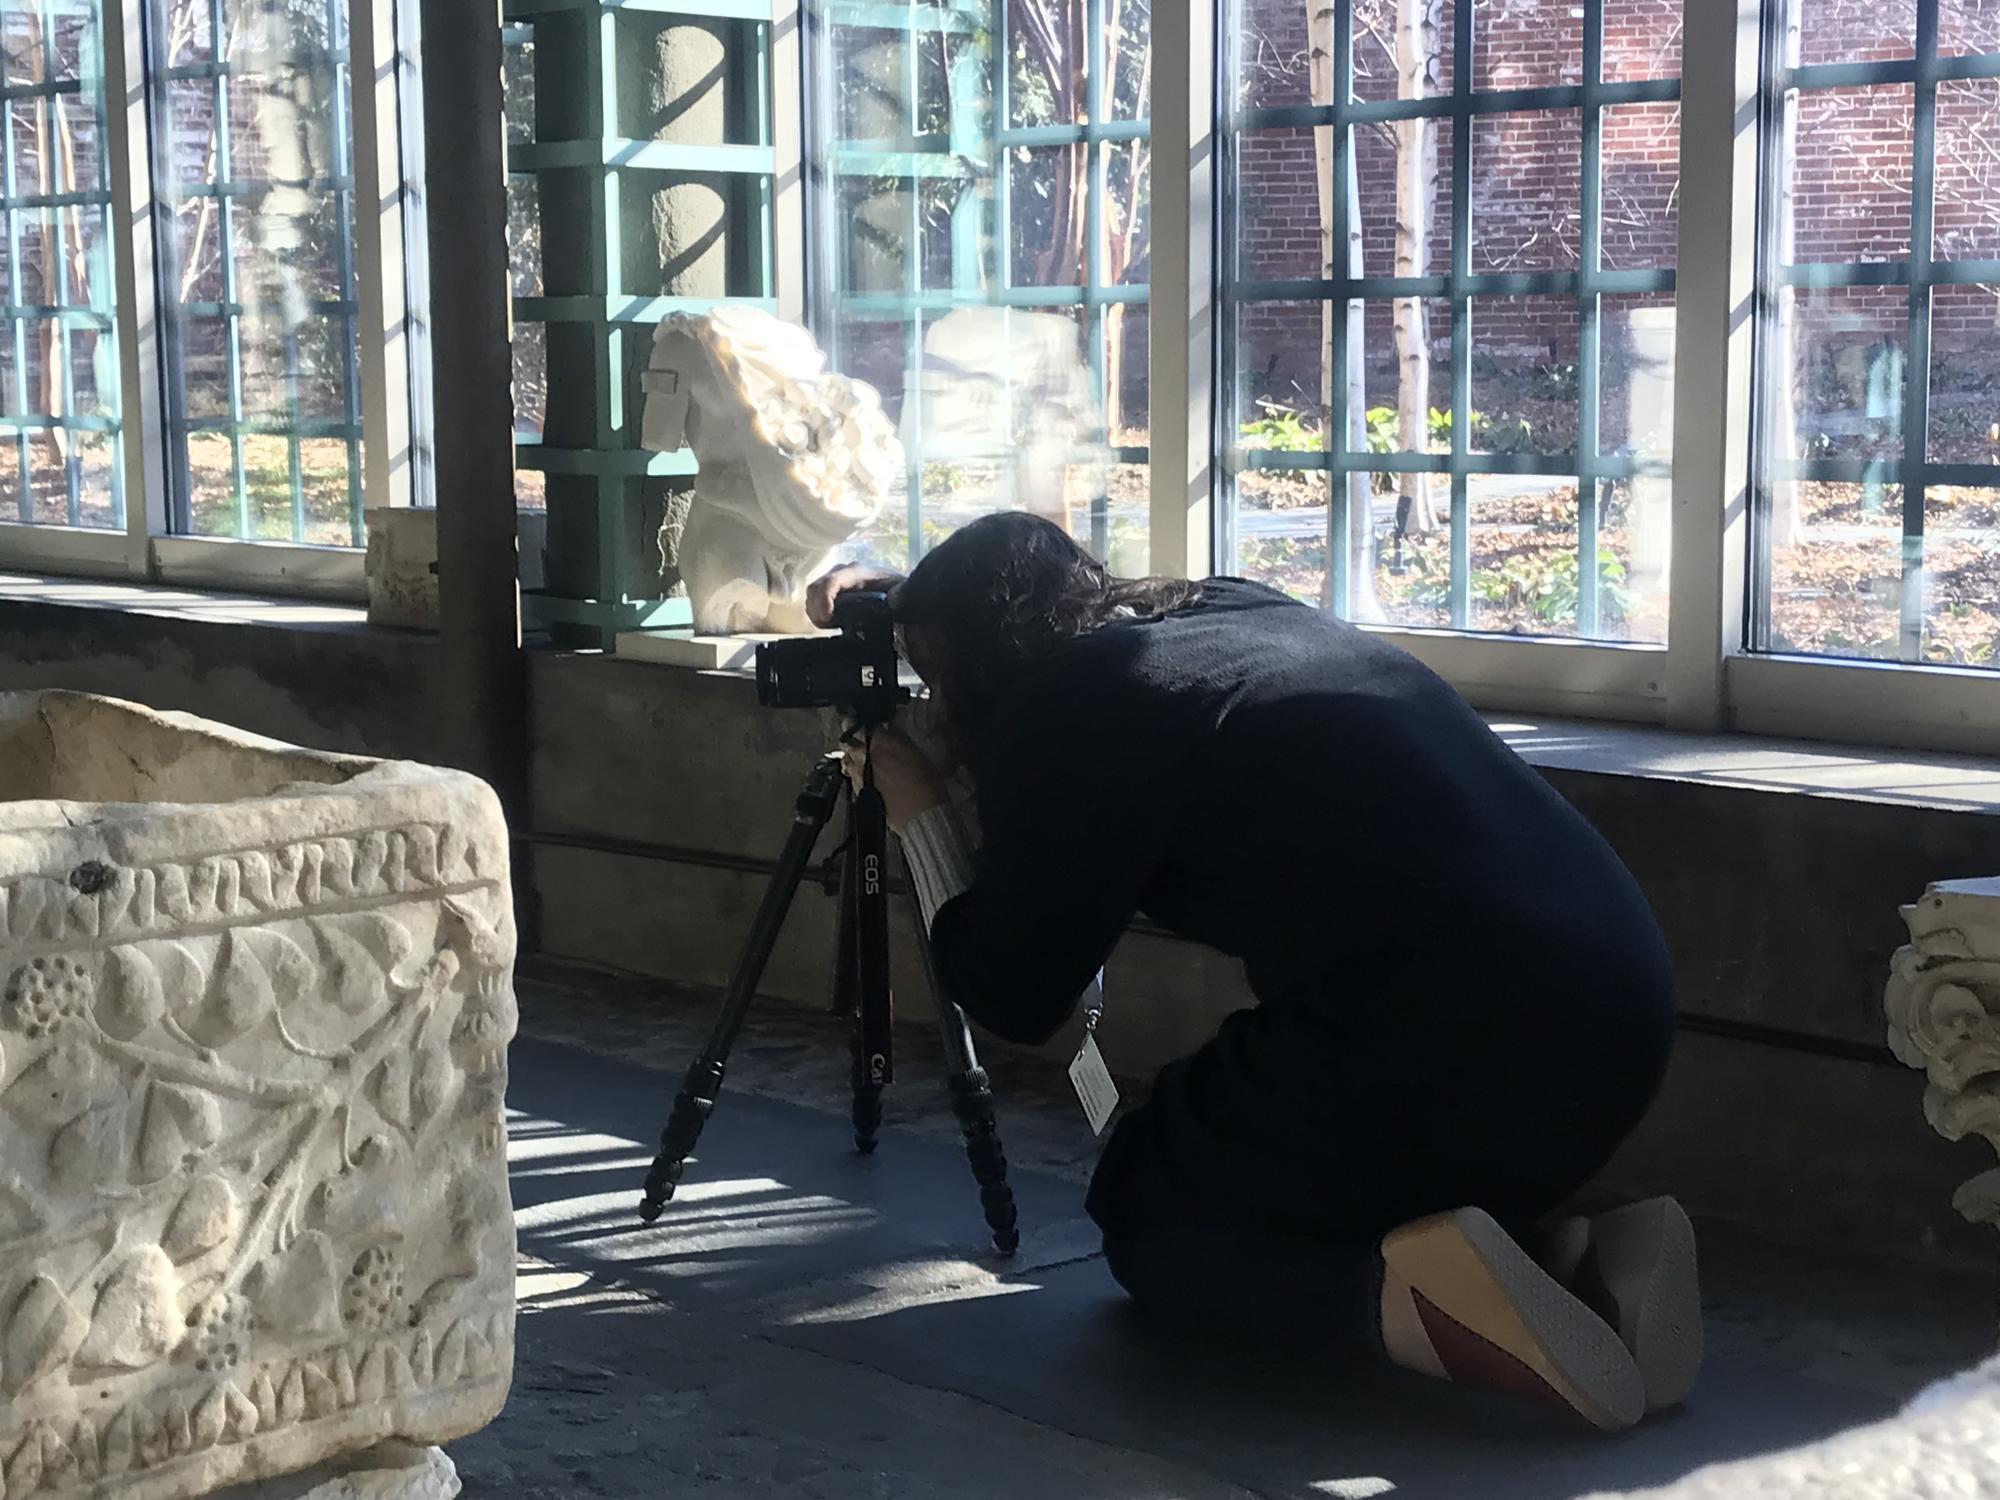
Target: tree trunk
{"points": [[1419, 28], [48, 373], [1360, 539]]}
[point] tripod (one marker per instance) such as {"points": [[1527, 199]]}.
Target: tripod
{"points": [[860, 990]]}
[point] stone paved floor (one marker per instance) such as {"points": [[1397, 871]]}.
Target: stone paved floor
{"points": [[805, 1322]]}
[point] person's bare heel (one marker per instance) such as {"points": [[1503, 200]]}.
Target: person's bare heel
{"points": [[1462, 1302]]}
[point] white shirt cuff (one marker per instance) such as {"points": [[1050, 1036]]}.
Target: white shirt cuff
{"points": [[940, 859]]}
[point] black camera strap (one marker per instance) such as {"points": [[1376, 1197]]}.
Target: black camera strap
{"points": [[869, 836]]}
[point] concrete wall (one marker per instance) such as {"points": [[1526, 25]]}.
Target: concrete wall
{"points": [[333, 687], [658, 798]]}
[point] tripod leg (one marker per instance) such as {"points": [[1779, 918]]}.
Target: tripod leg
{"points": [[704, 1076], [972, 1102]]}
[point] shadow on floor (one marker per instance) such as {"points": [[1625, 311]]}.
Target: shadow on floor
{"points": [[782, 1234]]}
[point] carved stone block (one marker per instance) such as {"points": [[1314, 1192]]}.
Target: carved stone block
{"points": [[1943, 1005], [254, 1011]]}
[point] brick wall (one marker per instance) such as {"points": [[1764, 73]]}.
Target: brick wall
{"points": [[1852, 201]]}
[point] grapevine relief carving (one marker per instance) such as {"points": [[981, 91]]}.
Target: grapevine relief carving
{"points": [[224, 1086]]}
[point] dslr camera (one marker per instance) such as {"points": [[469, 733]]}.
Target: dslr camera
{"points": [[855, 671]]}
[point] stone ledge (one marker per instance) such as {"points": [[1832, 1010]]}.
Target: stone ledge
{"points": [[1596, 747]]}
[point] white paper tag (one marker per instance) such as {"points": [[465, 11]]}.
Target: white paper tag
{"points": [[1092, 1081]]}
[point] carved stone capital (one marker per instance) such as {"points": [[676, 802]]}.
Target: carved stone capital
{"points": [[1943, 1008]]}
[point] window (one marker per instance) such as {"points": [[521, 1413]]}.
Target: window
{"points": [[1449, 236], [282, 339], [60, 409], [1878, 531], [981, 210], [254, 156]]}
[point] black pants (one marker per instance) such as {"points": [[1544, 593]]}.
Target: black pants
{"points": [[1252, 1189]]}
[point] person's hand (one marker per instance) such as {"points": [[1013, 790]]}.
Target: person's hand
{"points": [[821, 594], [909, 783]]}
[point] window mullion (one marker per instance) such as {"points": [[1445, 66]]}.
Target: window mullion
{"points": [[373, 275], [1461, 315], [1180, 348], [1340, 517], [1917, 360], [128, 162], [1589, 306], [1716, 290]]}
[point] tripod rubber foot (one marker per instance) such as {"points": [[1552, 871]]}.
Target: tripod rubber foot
{"points": [[867, 1116], [972, 1102], [692, 1107]]}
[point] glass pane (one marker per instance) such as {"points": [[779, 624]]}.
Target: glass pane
{"points": [[1836, 568], [1526, 44], [1128, 52], [11, 490], [1524, 575], [1273, 61], [1280, 396], [211, 485], [1281, 530], [1968, 26], [531, 379], [517, 82], [1021, 400], [1279, 203], [189, 32], [58, 344], [1127, 377], [1642, 39], [1635, 550], [1847, 189], [264, 249], [1967, 201], [1965, 375], [324, 473], [1524, 388], [1836, 31], [1048, 53], [1837, 357], [1636, 387], [1128, 215], [1406, 356], [524, 235], [1046, 191], [1962, 575], [1642, 179], [1527, 183], [1407, 232], [1388, 63], [1412, 561]]}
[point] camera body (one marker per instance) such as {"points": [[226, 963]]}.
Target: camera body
{"points": [[855, 671]]}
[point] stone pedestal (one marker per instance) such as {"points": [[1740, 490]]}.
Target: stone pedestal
{"points": [[254, 1010], [1943, 1005], [402, 567]]}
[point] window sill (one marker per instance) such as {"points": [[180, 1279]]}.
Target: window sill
{"points": [[165, 602], [1744, 762]]}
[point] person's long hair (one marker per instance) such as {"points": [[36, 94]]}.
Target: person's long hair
{"points": [[1004, 593]]}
